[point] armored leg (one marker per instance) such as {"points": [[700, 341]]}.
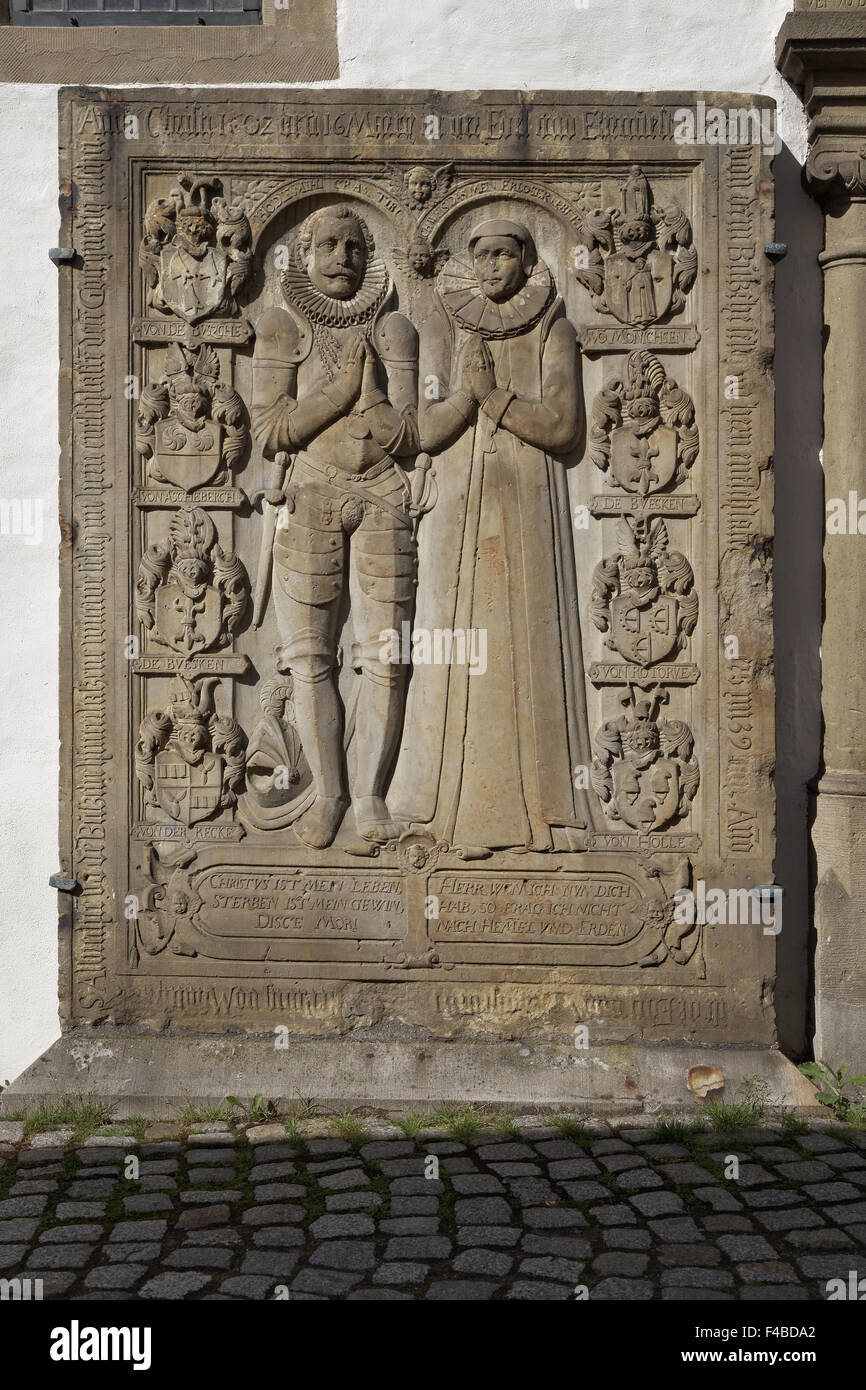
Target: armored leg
{"points": [[308, 571], [382, 589]]}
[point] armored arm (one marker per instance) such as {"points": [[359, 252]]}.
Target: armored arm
{"points": [[391, 407]]}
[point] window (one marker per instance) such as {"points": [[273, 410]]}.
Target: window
{"points": [[91, 12]]}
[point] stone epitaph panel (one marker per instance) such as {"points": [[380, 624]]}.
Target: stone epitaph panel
{"points": [[416, 572]]}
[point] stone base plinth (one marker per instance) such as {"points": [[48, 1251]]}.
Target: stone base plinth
{"points": [[839, 837], [154, 1075]]}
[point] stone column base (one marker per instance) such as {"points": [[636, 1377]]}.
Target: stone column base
{"points": [[839, 837], [154, 1075]]}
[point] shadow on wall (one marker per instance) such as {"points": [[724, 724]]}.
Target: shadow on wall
{"points": [[798, 582]]}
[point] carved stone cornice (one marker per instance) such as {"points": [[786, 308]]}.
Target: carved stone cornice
{"points": [[823, 54]]}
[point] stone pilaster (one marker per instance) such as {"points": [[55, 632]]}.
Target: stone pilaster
{"points": [[824, 54]]}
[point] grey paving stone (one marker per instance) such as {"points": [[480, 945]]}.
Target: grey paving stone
{"points": [[585, 1191], [664, 1150], [780, 1293], [211, 1175], [804, 1170], [174, 1285], [414, 1206], [272, 1215], [60, 1256], [831, 1266], [746, 1247], [488, 1235], [845, 1215], [97, 1154], [822, 1192], [692, 1295], [697, 1277], [222, 1235], [345, 1254], [719, 1198], [195, 1218], [475, 1183], [568, 1247], [615, 1215], [626, 1238], [327, 1146], [329, 1282], [60, 1235], [409, 1226], [766, 1197], [372, 1296], [615, 1290], [441, 1146], [114, 1276], [418, 1248], [198, 1257], [657, 1203], [516, 1170], [729, 1222], [678, 1229], [274, 1153], [629, 1263], [55, 1283], [402, 1272], [477, 1260], [798, 1218], [553, 1218], [776, 1153], [571, 1168], [531, 1192], [686, 1254], [638, 1179], [417, 1187], [387, 1148], [690, 1174], [332, 1227], [504, 1153], [555, 1267], [481, 1211], [820, 1143], [158, 1184], [214, 1195], [34, 1158], [765, 1272], [335, 1165], [22, 1228], [826, 1240], [148, 1202], [270, 1172], [460, 1291], [609, 1146], [558, 1149], [279, 1237], [131, 1252], [22, 1206], [459, 1165], [249, 1286], [357, 1201], [278, 1191], [138, 1230], [159, 1166], [844, 1160], [538, 1291], [403, 1167], [342, 1182], [160, 1148], [27, 1189], [11, 1256], [620, 1163]]}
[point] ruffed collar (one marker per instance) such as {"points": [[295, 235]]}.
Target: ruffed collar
{"points": [[321, 308], [471, 308]]}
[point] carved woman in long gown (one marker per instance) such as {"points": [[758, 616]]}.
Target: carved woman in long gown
{"points": [[488, 759]]}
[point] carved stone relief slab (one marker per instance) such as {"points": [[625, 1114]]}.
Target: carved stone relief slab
{"points": [[417, 609]]}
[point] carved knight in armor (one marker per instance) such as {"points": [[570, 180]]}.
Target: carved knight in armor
{"points": [[335, 381]]}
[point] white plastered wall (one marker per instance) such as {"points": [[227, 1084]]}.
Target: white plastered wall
{"points": [[658, 45]]}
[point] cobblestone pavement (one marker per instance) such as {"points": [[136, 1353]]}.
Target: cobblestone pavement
{"points": [[525, 1215]]}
